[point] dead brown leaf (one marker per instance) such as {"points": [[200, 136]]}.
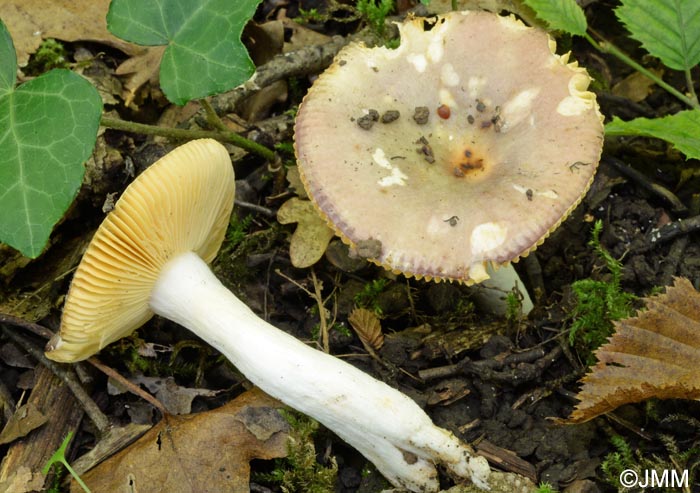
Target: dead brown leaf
{"points": [[175, 398], [368, 327], [205, 452], [636, 86], [312, 235], [32, 21], [655, 354], [301, 36], [141, 68], [23, 480], [25, 419]]}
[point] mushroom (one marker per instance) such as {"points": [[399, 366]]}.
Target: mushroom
{"points": [[150, 256], [496, 142]]}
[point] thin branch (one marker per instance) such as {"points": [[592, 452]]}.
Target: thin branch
{"points": [[127, 384], [67, 375], [609, 48], [212, 118], [181, 133], [321, 312], [691, 85]]}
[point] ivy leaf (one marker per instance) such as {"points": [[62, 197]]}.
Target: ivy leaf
{"points": [[682, 130], [204, 53], [668, 29], [48, 128], [563, 15]]}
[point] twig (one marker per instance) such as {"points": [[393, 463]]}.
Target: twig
{"points": [[212, 118], [643, 181], [7, 403], [308, 60], [668, 232], [629, 107], [318, 296], [36, 329], [609, 48], [127, 384], [265, 211], [182, 133], [68, 376]]}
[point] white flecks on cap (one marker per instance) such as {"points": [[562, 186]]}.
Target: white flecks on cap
{"points": [[549, 194], [448, 75], [518, 108], [397, 177], [475, 86], [380, 158], [488, 236], [436, 48], [418, 61], [447, 98]]}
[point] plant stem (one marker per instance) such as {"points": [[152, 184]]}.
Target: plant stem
{"points": [[691, 86], [181, 133], [212, 118], [609, 48], [75, 475]]}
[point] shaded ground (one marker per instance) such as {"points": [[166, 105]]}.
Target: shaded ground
{"points": [[493, 382]]}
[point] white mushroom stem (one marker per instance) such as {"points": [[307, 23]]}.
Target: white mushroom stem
{"points": [[383, 424], [491, 294]]}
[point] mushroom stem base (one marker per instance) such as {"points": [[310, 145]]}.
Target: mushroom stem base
{"points": [[383, 424]]}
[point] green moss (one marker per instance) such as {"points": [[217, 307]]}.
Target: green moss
{"points": [[300, 471], [514, 308], [545, 488], [367, 298], [598, 303], [374, 13], [310, 16], [50, 54]]}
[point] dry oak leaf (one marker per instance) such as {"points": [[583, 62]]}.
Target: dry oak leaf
{"points": [[312, 235], [205, 452], [32, 21], [653, 355]]}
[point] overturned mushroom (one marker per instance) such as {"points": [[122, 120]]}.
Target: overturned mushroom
{"points": [[507, 151], [150, 256]]}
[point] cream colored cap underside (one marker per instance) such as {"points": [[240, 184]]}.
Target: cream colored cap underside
{"points": [[181, 203], [510, 147]]}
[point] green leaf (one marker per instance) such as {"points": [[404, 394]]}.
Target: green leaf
{"points": [[564, 15], [668, 29], [8, 61], [204, 53], [48, 128], [682, 130]]}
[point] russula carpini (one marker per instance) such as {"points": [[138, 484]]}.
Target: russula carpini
{"points": [[150, 256], [457, 152]]}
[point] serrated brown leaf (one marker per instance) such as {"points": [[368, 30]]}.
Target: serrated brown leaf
{"points": [[655, 354], [205, 452], [368, 327]]}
